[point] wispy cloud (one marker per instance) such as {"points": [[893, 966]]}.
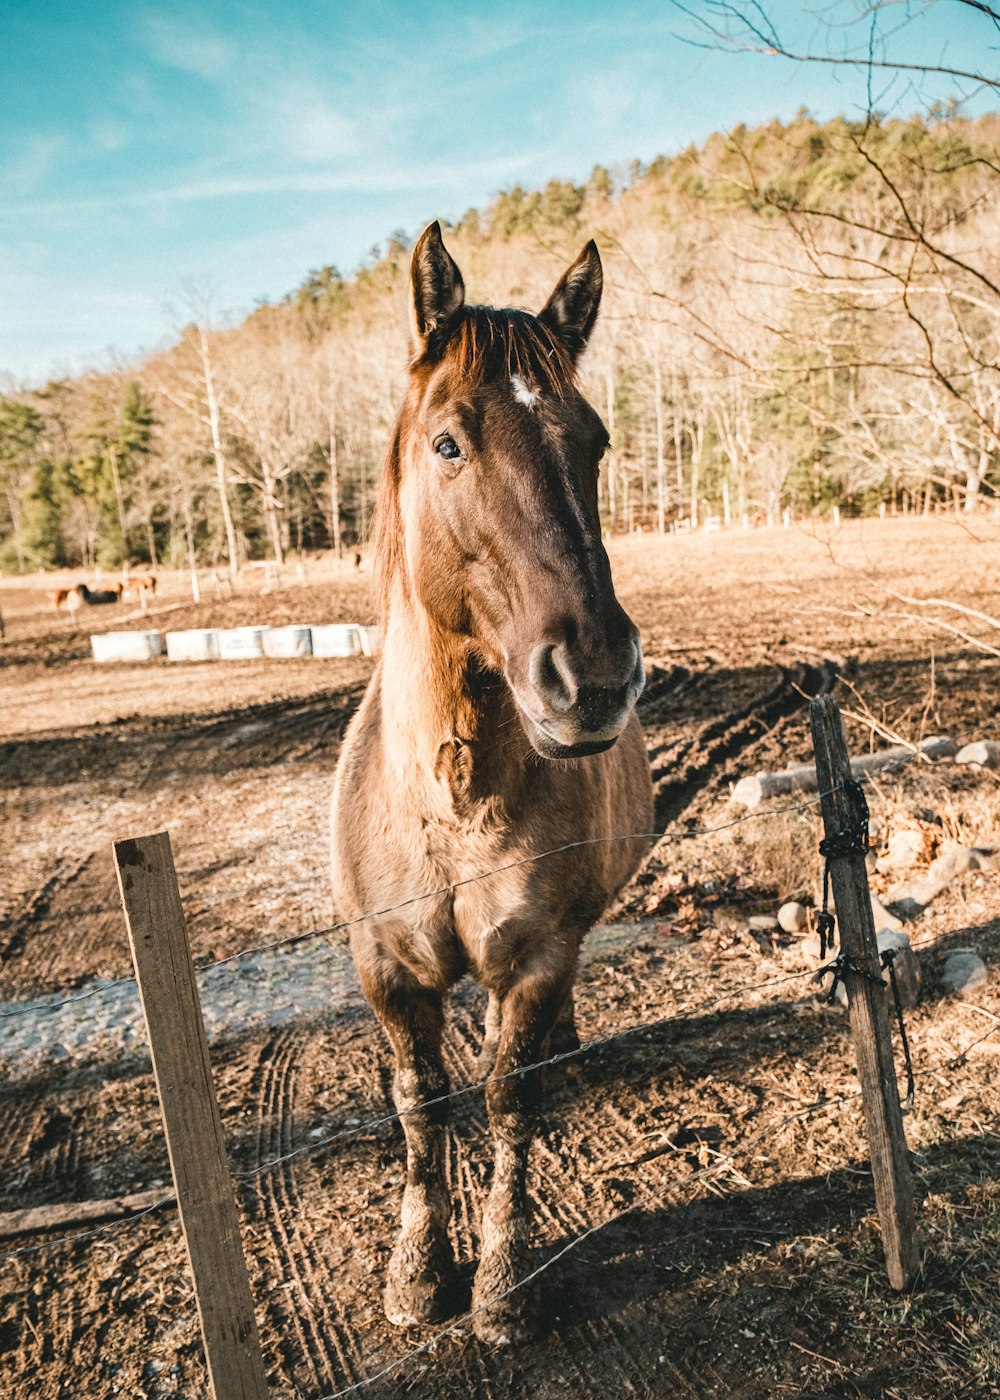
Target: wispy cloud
{"points": [[432, 176], [184, 41], [107, 134], [306, 125], [32, 160]]}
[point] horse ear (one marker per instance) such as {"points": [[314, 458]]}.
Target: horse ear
{"points": [[571, 310], [437, 292]]}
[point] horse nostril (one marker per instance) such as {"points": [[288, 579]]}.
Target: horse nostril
{"points": [[552, 677], [637, 684]]}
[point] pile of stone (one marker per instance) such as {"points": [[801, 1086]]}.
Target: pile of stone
{"points": [[964, 972]]}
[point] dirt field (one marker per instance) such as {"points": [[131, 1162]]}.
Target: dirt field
{"points": [[763, 1276]]}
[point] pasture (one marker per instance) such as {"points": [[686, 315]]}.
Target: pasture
{"points": [[720, 1148]]}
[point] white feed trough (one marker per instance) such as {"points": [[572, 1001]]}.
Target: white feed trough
{"points": [[126, 646], [287, 641], [369, 639], [335, 639], [193, 644], [241, 643]]}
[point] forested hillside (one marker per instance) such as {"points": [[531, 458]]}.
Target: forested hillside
{"points": [[800, 316]]}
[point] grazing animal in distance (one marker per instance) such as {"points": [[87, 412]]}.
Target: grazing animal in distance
{"points": [[140, 586], [140, 583], [499, 725], [66, 600], [96, 597]]}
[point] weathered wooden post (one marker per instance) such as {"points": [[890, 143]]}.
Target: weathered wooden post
{"points": [[862, 975], [179, 1049]]}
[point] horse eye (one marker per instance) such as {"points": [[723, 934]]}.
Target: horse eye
{"points": [[447, 448]]}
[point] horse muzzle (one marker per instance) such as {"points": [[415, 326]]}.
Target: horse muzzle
{"points": [[574, 706]]}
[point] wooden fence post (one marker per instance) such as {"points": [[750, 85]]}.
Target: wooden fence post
{"points": [[866, 1000], [179, 1049]]}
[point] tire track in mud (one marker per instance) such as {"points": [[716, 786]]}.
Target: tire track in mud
{"points": [[684, 768], [309, 1311], [50, 1138], [287, 731], [68, 926]]}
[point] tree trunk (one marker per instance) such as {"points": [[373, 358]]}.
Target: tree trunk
{"points": [[974, 478], [697, 447], [221, 483], [119, 497], [192, 561], [150, 535], [661, 461], [17, 521], [334, 482], [678, 441], [271, 521]]}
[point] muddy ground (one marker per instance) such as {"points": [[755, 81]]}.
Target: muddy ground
{"points": [[760, 1276]]}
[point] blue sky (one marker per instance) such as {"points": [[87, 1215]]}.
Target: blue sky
{"points": [[144, 147]]}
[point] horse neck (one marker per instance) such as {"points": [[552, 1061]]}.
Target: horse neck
{"points": [[441, 709]]}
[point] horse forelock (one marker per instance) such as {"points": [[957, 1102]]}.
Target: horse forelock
{"points": [[495, 344]]}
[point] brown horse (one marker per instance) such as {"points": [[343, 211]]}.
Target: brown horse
{"points": [[499, 723]]}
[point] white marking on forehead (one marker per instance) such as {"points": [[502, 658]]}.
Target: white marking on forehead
{"points": [[523, 392]]}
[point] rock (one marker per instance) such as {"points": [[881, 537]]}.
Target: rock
{"points": [[964, 973], [881, 915], [984, 754], [911, 901], [904, 849], [957, 860], [949, 864], [907, 968], [793, 917], [905, 962], [762, 923], [913, 898], [809, 948]]}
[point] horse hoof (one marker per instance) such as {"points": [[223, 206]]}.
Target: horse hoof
{"points": [[416, 1301], [500, 1325]]}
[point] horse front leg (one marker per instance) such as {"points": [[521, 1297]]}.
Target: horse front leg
{"points": [[563, 1037], [421, 1276], [528, 1010]]}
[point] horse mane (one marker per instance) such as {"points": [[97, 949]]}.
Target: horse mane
{"points": [[487, 343], [387, 526]]}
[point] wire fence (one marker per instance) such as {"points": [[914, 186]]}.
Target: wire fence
{"points": [[644, 1196], [650, 837], [723, 1162], [363, 1129]]}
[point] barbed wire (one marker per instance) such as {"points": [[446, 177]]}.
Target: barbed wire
{"points": [[362, 1129], [78, 1235], [646, 1197], [667, 834], [372, 1125], [519, 1071]]}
